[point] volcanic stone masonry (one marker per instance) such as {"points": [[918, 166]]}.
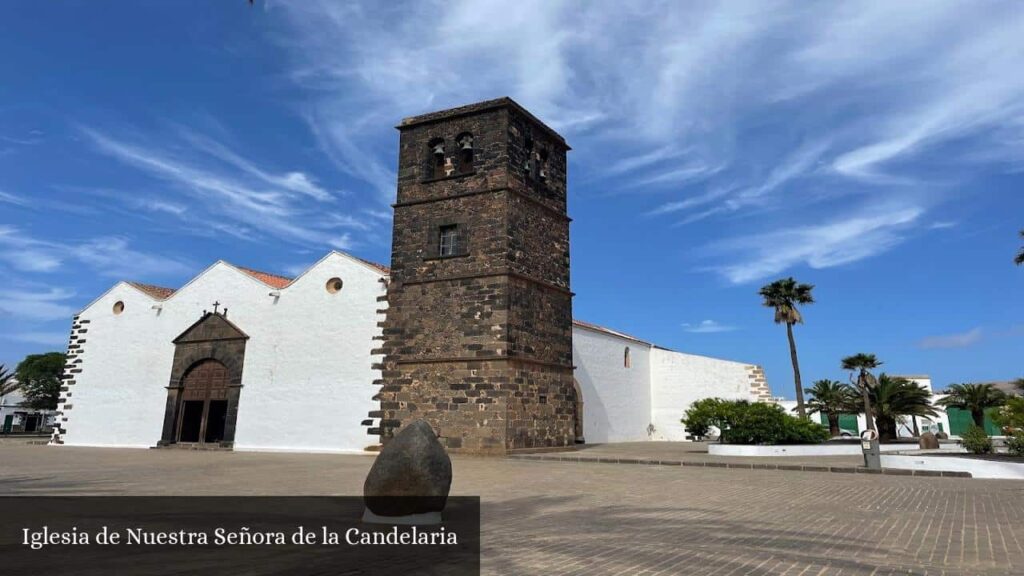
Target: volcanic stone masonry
{"points": [[477, 338], [72, 368]]}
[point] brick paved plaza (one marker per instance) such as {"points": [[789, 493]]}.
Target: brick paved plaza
{"points": [[544, 517]]}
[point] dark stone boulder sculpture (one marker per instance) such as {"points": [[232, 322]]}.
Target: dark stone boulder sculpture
{"points": [[928, 441], [410, 478]]}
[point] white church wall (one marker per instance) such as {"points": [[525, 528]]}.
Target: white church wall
{"points": [[307, 374], [118, 398], [616, 399], [678, 380], [308, 383]]}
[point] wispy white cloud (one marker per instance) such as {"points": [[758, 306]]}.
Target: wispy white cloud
{"points": [[298, 182], [727, 109], [105, 256], [248, 201], [32, 138], [155, 205], [960, 340], [707, 327], [8, 198], [634, 163], [968, 91], [839, 241], [36, 304]]}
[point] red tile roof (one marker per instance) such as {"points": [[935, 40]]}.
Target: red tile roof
{"points": [[272, 280], [158, 292]]}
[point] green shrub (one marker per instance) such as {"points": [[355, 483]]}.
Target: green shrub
{"points": [[741, 422], [1011, 415], [976, 441], [803, 431], [707, 413], [1015, 443], [755, 424]]}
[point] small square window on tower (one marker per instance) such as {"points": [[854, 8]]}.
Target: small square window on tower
{"points": [[449, 240]]}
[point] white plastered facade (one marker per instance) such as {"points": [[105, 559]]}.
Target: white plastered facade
{"points": [[308, 373], [307, 378], [647, 399]]}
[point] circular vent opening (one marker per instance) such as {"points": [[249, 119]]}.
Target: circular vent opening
{"points": [[118, 307], [334, 285]]}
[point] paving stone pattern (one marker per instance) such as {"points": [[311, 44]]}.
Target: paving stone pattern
{"points": [[562, 518]]}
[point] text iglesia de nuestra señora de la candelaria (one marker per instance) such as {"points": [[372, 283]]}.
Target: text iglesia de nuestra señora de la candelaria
{"points": [[470, 328]]}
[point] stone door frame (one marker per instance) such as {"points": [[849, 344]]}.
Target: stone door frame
{"points": [[577, 420], [213, 337]]}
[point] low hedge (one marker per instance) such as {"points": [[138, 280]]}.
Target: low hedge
{"points": [[741, 422]]}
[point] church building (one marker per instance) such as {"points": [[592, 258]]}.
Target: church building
{"points": [[470, 328]]}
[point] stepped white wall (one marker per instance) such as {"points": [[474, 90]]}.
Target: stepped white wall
{"points": [[307, 373]]}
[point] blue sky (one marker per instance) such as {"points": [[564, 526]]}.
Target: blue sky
{"points": [[874, 149]]}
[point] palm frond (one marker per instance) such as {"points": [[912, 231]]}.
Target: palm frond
{"points": [[7, 382], [973, 397], [861, 361], [894, 397], [784, 295]]}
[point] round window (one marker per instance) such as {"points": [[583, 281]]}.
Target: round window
{"points": [[118, 307], [334, 285]]}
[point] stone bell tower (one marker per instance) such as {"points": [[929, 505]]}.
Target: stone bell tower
{"points": [[478, 334]]}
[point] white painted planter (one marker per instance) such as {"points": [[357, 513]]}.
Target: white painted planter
{"points": [[825, 449], [977, 468]]}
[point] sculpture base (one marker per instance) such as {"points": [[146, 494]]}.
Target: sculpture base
{"points": [[425, 519]]}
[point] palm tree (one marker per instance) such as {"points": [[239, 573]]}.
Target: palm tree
{"points": [[975, 398], [1020, 255], [894, 397], [831, 398], [861, 365], [784, 295], [7, 382]]}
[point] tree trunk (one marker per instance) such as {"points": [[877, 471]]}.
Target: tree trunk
{"points": [[979, 418], [833, 423], [796, 372], [886, 428], [867, 405], [917, 432]]}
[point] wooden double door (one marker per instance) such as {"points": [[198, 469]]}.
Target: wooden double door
{"points": [[204, 404]]}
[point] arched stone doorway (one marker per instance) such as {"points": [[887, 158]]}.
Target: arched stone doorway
{"points": [[205, 384], [204, 403], [577, 411]]}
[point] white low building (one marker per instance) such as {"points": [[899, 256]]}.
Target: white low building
{"points": [[254, 361], [905, 425], [17, 418]]}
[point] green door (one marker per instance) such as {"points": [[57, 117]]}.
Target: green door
{"points": [[8, 423], [849, 422], [846, 422], [960, 420]]}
